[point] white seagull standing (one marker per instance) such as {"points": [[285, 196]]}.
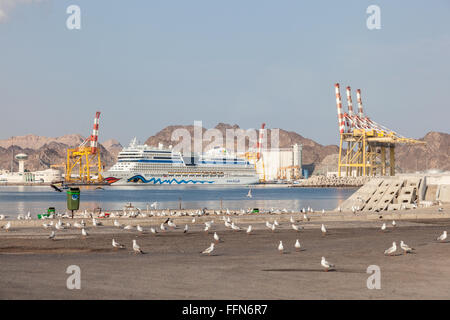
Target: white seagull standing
{"points": [[394, 224], [305, 217], [442, 237], [323, 229], [117, 224], [52, 235], [296, 228], [326, 264], [383, 227], [249, 229], [186, 228], [84, 233], [153, 230], [139, 228], [162, 227], [116, 244], [136, 247], [297, 245], [216, 237], [280, 247], [391, 250], [405, 247], [209, 249]]}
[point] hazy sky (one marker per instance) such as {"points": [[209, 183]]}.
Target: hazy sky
{"points": [[149, 64]]}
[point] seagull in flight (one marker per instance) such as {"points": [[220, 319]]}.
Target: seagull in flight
{"points": [[117, 245], [391, 250], [442, 237], [136, 247], [280, 247], [326, 264], [209, 249], [405, 247]]}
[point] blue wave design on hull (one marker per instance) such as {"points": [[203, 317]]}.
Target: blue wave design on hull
{"points": [[169, 181]]}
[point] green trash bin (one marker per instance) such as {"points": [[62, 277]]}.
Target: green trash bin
{"points": [[50, 211], [73, 199]]}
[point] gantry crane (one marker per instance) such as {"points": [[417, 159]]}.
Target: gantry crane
{"points": [[365, 141], [83, 162]]}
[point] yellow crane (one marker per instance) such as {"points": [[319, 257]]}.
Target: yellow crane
{"points": [[364, 143], [83, 162]]}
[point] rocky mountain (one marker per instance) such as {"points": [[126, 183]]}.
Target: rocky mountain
{"points": [[113, 146], [44, 151], [435, 154], [313, 152]]}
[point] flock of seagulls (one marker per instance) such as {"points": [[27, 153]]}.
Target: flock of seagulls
{"points": [[208, 225]]}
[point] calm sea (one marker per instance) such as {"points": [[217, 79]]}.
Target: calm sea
{"points": [[15, 200]]}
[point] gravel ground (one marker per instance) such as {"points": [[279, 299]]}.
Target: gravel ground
{"points": [[242, 266]]}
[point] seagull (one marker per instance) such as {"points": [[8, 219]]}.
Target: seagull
{"points": [[7, 226], [323, 229], [405, 247], [171, 224], [268, 225], [136, 247], [162, 227], [186, 228], [442, 237], [296, 228], [273, 227], [249, 194], [52, 235], [391, 250], [383, 227], [193, 220], [235, 227], [78, 225], [59, 226], [153, 230], [297, 245], [292, 220], [154, 204], [209, 249], [2, 216], [128, 227], [46, 226], [206, 229], [280, 247], [139, 228], [216, 237], [326, 264], [116, 244], [84, 233], [249, 229], [275, 222], [305, 217], [117, 224], [394, 224]]}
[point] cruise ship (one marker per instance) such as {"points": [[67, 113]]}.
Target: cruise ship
{"points": [[144, 165]]}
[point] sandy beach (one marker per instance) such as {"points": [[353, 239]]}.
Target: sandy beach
{"points": [[242, 266]]}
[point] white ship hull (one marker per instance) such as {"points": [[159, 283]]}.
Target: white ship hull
{"points": [[142, 179]]}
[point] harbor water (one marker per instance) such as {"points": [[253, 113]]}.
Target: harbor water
{"points": [[16, 200]]}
